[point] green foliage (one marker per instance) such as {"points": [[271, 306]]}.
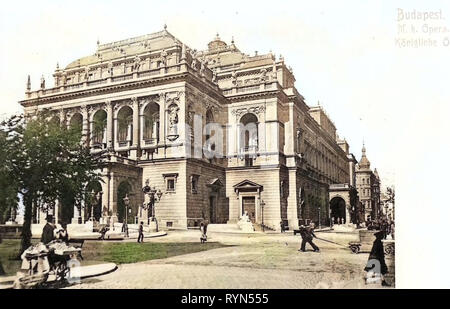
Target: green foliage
{"points": [[8, 184], [46, 161]]}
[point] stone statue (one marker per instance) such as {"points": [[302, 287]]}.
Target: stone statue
{"points": [[110, 68], [86, 74], [194, 64], [173, 119], [164, 58], [245, 217], [262, 77], [136, 63], [234, 78], [202, 68], [42, 82]]}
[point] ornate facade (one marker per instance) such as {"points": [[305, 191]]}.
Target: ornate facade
{"points": [[139, 101]]}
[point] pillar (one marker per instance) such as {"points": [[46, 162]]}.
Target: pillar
{"points": [[85, 132], [162, 117], [109, 125], [135, 142], [293, 200]]}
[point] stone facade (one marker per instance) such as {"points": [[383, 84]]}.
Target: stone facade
{"points": [[139, 100]]}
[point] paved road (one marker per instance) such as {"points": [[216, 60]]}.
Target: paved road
{"points": [[250, 261]]}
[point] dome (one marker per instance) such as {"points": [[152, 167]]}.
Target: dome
{"points": [[364, 162], [217, 43]]}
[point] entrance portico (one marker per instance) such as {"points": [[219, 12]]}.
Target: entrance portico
{"points": [[249, 194]]}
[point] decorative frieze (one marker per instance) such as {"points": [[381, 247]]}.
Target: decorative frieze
{"points": [[252, 109]]}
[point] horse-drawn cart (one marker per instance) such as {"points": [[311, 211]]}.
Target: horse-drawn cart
{"points": [[41, 264]]}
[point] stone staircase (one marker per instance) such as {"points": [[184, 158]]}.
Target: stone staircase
{"points": [[259, 228]]}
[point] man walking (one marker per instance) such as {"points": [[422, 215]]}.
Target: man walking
{"points": [[141, 232], [307, 234]]}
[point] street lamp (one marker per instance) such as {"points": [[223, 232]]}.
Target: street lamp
{"points": [[92, 204], [154, 196], [126, 201], [320, 225]]}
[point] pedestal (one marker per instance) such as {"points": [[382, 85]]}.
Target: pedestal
{"points": [[246, 227]]}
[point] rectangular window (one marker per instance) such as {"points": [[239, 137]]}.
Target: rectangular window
{"points": [[170, 180], [170, 184]]}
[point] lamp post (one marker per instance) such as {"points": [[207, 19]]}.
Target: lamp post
{"points": [[262, 214], [126, 201], [154, 196], [320, 225]]}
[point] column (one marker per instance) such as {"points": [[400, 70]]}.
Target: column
{"points": [[76, 215], [162, 117], [135, 144], [85, 131], [293, 202], [109, 125], [112, 199]]}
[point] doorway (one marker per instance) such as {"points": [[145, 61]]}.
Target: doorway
{"points": [[248, 205], [212, 210]]}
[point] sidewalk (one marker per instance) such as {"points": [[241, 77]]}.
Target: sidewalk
{"points": [[82, 272]]}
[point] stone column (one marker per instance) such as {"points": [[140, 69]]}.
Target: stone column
{"points": [[109, 125], [113, 199], [76, 215], [85, 131], [162, 117], [136, 137], [292, 207]]}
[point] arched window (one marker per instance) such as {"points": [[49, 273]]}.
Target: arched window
{"points": [[76, 123], [99, 127], [125, 124], [151, 123], [209, 119], [248, 135]]}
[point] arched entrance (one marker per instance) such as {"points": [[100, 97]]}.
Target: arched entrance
{"points": [[337, 209], [123, 190], [93, 201]]}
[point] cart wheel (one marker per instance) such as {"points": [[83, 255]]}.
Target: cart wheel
{"points": [[61, 271], [354, 248]]}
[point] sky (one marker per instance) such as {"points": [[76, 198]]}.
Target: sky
{"points": [[344, 54]]}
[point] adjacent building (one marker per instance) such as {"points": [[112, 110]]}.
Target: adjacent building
{"points": [[368, 186]]}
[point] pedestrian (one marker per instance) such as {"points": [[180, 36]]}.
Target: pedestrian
{"points": [[63, 235], [141, 232], [307, 234], [282, 226], [203, 230], [48, 232], [376, 265]]}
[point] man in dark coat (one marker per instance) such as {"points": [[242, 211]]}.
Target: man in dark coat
{"points": [[48, 231], [141, 232], [307, 234], [376, 263]]}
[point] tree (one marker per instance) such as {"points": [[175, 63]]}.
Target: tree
{"points": [[8, 184], [47, 161]]}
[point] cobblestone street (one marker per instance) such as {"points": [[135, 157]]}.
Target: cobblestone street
{"points": [[249, 261]]}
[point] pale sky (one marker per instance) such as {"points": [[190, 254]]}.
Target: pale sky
{"points": [[343, 54]]}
